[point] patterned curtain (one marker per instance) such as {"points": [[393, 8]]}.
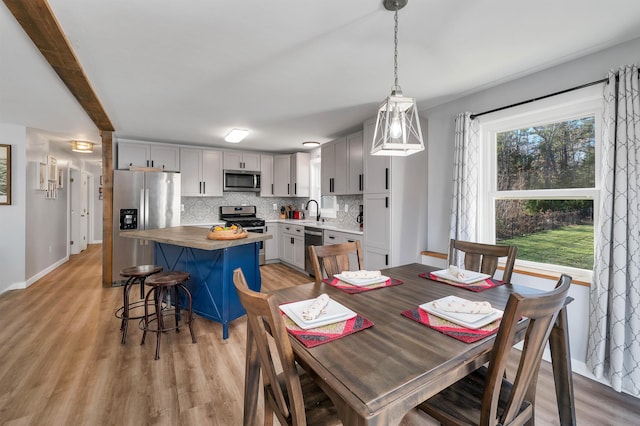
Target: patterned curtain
{"points": [[464, 205], [614, 312]]}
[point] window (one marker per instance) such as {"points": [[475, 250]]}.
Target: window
{"points": [[539, 179], [328, 204]]}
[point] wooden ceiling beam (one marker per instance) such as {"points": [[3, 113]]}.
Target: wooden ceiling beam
{"points": [[38, 21]]}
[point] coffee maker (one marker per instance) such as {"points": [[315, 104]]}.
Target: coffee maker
{"points": [[360, 218]]}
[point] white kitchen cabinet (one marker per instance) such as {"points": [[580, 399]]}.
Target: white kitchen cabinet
{"points": [[239, 160], [147, 154], [342, 166], [271, 247], [395, 206], [266, 176], [201, 171], [291, 175], [300, 174], [281, 175], [339, 237], [333, 167], [292, 245], [377, 168], [355, 168]]}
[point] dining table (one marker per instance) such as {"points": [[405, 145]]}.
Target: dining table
{"points": [[377, 375]]}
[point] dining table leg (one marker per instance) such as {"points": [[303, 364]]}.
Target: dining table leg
{"points": [[561, 363], [251, 382]]}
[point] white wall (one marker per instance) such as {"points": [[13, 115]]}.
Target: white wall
{"points": [[440, 136], [12, 217]]}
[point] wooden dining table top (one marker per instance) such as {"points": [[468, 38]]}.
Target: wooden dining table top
{"points": [[382, 372]]}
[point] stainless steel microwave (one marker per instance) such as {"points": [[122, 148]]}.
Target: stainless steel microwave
{"points": [[241, 180]]}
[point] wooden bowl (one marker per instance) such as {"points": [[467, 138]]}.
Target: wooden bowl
{"points": [[229, 234]]}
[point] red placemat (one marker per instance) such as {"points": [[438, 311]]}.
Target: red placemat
{"points": [[477, 286], [467, 335], [349, 288], [319, 335]]}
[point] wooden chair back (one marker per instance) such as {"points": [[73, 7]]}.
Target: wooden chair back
{"points": [[286, 385], [263, 312], [334, 258], [542, 311], [483, 258]]}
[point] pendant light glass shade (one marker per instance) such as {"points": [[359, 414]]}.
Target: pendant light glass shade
{"points": [[398, 129], [82, 146]]}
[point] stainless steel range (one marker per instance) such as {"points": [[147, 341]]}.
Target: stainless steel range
{"points": [[244, 216]]}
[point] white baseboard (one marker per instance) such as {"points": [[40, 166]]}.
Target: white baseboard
{"points": [[45, 271]]}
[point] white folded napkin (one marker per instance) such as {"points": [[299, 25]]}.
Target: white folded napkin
{"points": [[361, 275], [456, 272], [463, 306], [315, 308]]}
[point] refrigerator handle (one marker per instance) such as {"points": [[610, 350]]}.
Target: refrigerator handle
{"points": [[146, 210], [141, 211]]}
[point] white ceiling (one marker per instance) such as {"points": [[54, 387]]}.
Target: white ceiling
{"points": [[290, 71]]}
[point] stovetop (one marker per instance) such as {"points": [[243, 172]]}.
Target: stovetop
{"points": [[244, 216]]}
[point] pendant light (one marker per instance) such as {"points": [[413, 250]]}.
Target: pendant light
{"points": [[398, 129]]}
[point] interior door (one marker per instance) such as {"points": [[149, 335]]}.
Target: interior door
{"points": [[78, 222]]}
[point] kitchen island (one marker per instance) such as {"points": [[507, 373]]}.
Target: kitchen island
{"points": [[210, 264]]}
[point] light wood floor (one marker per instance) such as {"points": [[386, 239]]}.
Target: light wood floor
{"points": [[61, 362]]}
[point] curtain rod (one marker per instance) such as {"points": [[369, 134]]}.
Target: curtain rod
{"points": [[593, 83]]}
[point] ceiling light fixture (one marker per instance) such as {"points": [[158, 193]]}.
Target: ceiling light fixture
{"points": [[398, 129], [82, 146], [311, 144], [236, 135]]}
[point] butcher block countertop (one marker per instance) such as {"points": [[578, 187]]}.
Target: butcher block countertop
{"points": [[192, 236]]}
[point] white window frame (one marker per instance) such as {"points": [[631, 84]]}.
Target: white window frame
{"points": [[576, 104]]}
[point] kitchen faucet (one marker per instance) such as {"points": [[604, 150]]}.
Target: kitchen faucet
{"points": [[317, 209]]}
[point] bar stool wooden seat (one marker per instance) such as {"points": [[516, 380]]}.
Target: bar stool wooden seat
{"points": [[134, 274], [161, 285]]}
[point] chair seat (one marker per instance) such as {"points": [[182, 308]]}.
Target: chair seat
{"points": [[167, 279], [461, 403], [319, 409], [140, 270]]}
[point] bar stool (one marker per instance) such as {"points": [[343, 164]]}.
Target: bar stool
{"points": [[161, 285], [139, 274]]}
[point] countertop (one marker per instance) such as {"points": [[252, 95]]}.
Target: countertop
{"points": [[191, 236], [324, 225]]}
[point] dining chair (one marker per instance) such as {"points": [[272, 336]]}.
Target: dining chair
{"points": [[290, 393], [334, 258], [485, 397], [483, 258]]}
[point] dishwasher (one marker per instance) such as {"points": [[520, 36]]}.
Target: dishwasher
{"points": [[312, 237]]}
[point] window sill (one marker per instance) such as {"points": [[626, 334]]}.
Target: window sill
{"points": [[579, 277]]}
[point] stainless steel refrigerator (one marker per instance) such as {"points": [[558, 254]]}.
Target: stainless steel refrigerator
{"points": [[141, 200]]}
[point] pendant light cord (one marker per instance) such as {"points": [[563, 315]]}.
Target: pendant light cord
{"points": [[395, 51]]}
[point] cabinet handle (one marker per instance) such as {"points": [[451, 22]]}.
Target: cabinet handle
{"points": [[386, 178], [350, 241], [386, 260], [147, 163], [271, 189], [360, 179], [200, 190], [288, 189], [332, 238], [151, 163], [295, 188], [386, 202], [204, 187], [291, 240]]}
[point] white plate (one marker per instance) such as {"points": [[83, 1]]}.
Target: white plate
{"points": [[361, 282], [466, 320], [333, 312], [470, 277]]}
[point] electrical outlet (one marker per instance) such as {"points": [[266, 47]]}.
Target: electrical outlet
{"points": [[182, 207]]}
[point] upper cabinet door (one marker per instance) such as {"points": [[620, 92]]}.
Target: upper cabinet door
{"points": [[165, 157], [377, 168], [356, 163], [281, 175], [266, 176], [238, 160], [133, 155], [211, 173]]}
